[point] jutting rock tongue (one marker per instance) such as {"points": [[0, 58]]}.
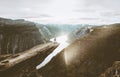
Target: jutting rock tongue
{"points": [[18, 35]]}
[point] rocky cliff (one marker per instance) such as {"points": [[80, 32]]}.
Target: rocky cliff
{"points": [[113, 71], [78, 33], [88, 56], [18, 35]]}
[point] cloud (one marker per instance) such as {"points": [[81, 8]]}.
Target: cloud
{"points": [[22, 8], [111, 14], [84, 10], [86, 18], [89, 19], [62, 11], [37, 16]]}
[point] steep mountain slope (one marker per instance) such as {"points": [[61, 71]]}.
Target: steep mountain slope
{"points": [[18, 35], [79, 32], [88, 56], [44, 31]]}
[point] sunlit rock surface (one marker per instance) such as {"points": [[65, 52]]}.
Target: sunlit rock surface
{"points": [[24, 64], [18, 35], [88, 56], [79, 32]]}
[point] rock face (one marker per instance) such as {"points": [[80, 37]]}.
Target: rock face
{"points": [[88, 56], [79, 32], [18, 35], [24, 64], [113, 71], [44, 31]]}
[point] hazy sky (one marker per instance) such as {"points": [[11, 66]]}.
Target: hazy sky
{"points": [[62, 11]]}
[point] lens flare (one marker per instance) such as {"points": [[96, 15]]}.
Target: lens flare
{"points": [[61, 39], [69, 56], [63, 44]]}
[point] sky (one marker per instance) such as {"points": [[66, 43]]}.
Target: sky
{"points": [[62, 11]]}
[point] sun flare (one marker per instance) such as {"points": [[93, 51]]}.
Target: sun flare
{"points": [[60, 39]]}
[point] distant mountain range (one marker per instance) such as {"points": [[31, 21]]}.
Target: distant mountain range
{"points": [[48, 31]]}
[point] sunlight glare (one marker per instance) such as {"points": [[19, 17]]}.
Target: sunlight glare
{"points": [[63, 44], [60, 39]]}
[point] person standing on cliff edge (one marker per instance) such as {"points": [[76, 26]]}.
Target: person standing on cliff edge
{"points": [[54, 39]]}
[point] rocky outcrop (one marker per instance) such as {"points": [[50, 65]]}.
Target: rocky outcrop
{"points": [[18, 35], [113, 71], [44, 31], [88, 56], [24, 64]]}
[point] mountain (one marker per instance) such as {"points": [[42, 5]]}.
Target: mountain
{"points": [[44, 31], [62, 29], [79, 32], [56, 30], [88, 56], [19, 35]]}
